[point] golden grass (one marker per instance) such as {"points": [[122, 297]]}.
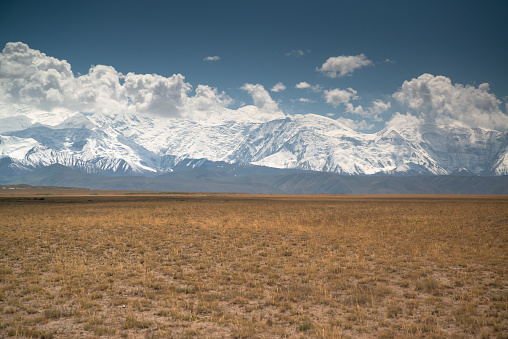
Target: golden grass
{"points": [[241, 266]]}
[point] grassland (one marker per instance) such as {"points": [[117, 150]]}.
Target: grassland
{"points": [[246, 266]]}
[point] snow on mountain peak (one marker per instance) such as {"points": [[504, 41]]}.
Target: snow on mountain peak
{"points": [[130, 143], [76, 121]]}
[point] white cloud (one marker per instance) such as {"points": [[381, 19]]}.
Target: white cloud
{"points": [[355, 124], [306, 85], [337, 96], [437, 100], [295, 53], [212, 58], [206, 102], [343, 65], [302, 85], [278, 87], [32, 78], [350, 108], [98, 91], [261, 97], [370, 112], [155, 94], [303, 100], [379, 107]]}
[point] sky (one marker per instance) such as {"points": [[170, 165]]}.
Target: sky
{"points": [[358, 62]]}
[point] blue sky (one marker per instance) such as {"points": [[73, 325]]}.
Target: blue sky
{"points": [[267, 42]]}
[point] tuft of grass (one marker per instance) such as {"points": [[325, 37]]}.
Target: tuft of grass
{"points": [[303, 327]]}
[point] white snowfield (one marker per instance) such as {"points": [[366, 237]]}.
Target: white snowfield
{"points": [[123, 143]]}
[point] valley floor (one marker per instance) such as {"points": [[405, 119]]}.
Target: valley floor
{"points": [[134, 264]]}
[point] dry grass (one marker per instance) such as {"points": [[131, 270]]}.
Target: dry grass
{"points": [[245, 266]]}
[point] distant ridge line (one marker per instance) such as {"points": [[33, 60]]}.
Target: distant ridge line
{"points": [[283, 182]]}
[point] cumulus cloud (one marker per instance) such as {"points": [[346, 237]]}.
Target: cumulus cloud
{"points": [[355, 124], [262, 99], [379, 107], [32, 78], [212, 58], [302, 85], [343, 65], [437, 100], [337, 96], [98, 91], [278, 87], [206, 102], [152, 93], [359, 110], [207, 97]]}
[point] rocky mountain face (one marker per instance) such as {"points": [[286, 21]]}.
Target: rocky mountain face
{"points": [[133, 145]]}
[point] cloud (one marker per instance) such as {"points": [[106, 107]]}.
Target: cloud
{"points": [[278, 87], [337, 96], [379, 107], [155, 94], [32, 78], [369, 112], [303, 100], [372, 112], [355, 124], [207, 101], [302, 85], [343, 65], [262, 99], [295, 53], [98, 91], [317, 88], [437, 100], [350, 108], [212, 58]]}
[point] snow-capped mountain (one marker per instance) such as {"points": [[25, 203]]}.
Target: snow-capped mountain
{"points": [[129, 144]]}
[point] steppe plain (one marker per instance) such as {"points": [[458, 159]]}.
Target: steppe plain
{"points": [[156, 265]]}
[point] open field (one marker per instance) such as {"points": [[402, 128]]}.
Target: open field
{"points": [[90, 264]]}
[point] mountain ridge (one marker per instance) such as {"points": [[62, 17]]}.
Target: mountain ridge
{"points": [[285, 182]]}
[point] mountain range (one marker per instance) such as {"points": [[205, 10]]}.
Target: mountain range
{"points": [[134, 145], [244, 146]]}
